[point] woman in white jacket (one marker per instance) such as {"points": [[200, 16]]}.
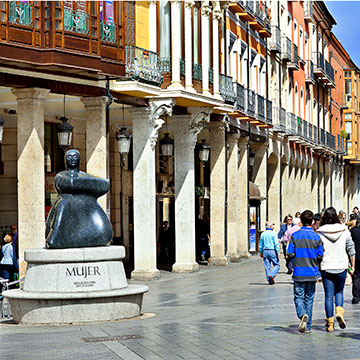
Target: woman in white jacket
{"points": [[338, 249]]}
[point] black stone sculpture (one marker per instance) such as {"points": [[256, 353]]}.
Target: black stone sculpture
{"points": [[76, 219]]}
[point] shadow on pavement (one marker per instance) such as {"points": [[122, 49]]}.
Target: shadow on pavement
{"points": [[276, 283], [350, 335]]}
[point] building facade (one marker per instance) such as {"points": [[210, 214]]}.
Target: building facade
{"points": [[264, 83]]}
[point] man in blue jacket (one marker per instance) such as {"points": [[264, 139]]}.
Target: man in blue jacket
{"points": [[306, 249], [269, 251]]}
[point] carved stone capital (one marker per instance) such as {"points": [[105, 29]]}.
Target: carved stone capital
{"points": [[217, 15], [152, 2], [30, 93], [205, 10], [198, 118], [189, 3], [91, 102], [157, 109]]}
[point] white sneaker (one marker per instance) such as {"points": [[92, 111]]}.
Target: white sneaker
{"points": [[303, 322]]}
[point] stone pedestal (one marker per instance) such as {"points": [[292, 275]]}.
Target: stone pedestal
{"points": [[64, 286]]}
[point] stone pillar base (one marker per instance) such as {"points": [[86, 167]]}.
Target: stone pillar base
{"points": [[219, 261], [233, 258], [190, 88], [206, 93], [218, 96], [175, 86], [245, 255], [145, 275], [185, 267]]}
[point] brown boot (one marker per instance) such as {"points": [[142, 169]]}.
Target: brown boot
{"points": [[329, 324], [340, 317]]}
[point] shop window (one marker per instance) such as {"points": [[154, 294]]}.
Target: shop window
{"points": [[348, 129]]}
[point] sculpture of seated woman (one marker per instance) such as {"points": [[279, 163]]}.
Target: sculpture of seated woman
{"points": [[76, 219]]}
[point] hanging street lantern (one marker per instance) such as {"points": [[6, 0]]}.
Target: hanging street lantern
{"points": [[124, 142], [204, 151], [64, 132], [167, 145]]}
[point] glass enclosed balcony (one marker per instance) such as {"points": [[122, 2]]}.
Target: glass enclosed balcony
{"points": [[20, 13]]}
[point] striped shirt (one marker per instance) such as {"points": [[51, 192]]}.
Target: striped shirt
{"points": [[306, 249]]}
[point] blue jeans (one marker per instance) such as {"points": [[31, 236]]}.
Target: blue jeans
{"points": [[270, 256], [333, 287], [304, 293]]}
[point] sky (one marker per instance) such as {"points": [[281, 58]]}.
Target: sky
{"points": [[347, 16]]}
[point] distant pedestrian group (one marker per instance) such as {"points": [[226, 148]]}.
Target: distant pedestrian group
{"points": [[316, 246]]}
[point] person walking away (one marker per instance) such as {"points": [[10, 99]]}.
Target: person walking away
{"points": [[338, 249], [166, 240], [269, 251], [356, 211], [9, 264], [296, 227], [316, 223], [342, 216], [14, 234], [287, 224], [305, 248], [351, 222], [355, 235]]}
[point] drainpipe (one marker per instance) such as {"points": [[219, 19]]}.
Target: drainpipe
{"points": [[248, 142], [107, 119], [226, 192], [318, 182]]}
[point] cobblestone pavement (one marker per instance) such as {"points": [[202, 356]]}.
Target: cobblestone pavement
{"points": [[217, 313]]}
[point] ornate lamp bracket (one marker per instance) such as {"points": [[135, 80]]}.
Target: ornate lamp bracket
{"points": [[158, 108], [198, 118]]}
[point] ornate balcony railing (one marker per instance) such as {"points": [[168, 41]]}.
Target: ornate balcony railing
{"points": [[20, 13], [260, 108], [315, 134], [182, 67], [197, 71], [322, 137], [267, 18], [269, 111], [299, 126], [250, 103], [211, 76], [240, 98], [329, 70], [318, 59], [330, 141], [260, 16], [165, 64], [274, 43], [286, 49], [305, 129], [143, 65], [76, 21], [250, 6], [108, 32], [291, 125], [279, 120], [310, 132], [227, 89]]}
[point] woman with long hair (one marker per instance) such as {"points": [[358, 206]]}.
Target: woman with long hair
{"points": [[338, 250]]}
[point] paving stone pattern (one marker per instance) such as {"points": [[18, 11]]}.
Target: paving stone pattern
{"points": [[217, 313]]}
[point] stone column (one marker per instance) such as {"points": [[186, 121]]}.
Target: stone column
{"points": [[321, 183], [217, 16], [152, 25], [175, 48], [233, 188], [205, 48], [217, 193], [314, 188], [188, 45], [242, 199], [285, 186], [186, 128], [96, 140], [327, 182], [260, 178], [146, 124], [274, 178], [30, 170]]}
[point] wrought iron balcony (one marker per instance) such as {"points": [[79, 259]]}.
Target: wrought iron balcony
{"points": [[143, 65], [240, 98], [211, 76], [260, 108], [322, 137], [108, 32], [182, 67], [329, 70], [299, 126], [76, 21], [310, 132], [315, 134], [250, 103], [291, 125], [249, 6], [286, 54], [267, 18], [227, 89], [274, 43], [305, 129], [197, 71], [330, 141], [279, 120], [308, 11], [260, 15], [294, 63], [309, 72], [319, 64], [20, 13], [268, 111], [165, 64]]}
